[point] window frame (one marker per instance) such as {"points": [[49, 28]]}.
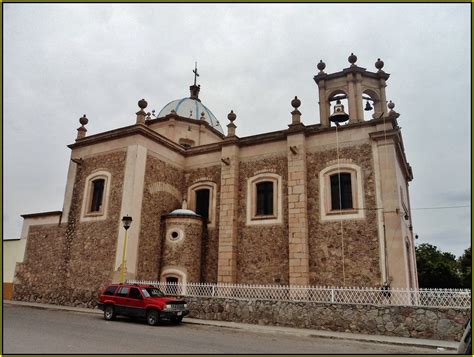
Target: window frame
{"points": [[357, 211], [212, 187], [276, 217], [86, 211]]}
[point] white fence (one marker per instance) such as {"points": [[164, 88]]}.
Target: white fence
{"points": [[454, 298]]}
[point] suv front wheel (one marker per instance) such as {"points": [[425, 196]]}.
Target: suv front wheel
{"points": [[152, 317], [109, 313]]}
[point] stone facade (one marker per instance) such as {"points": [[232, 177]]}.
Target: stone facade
{"points": [[183, 252], [156, 203], [69, 264], [401, 321], [361, 240], [152, 169], [262, 256]]}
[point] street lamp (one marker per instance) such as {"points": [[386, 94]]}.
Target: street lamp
{"points": [[126, 221]]}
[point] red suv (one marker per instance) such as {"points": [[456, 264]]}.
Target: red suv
{"points": [[141, 301]]}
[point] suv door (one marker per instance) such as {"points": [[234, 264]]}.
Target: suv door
{"points": [[121, 301], [136, 302]]}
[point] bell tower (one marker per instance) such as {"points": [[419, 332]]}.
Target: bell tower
{"points": [[355, 84]]}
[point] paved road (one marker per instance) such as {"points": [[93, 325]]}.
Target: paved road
{"points": [[30, 330]]}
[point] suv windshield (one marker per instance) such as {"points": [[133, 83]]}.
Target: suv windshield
{"points": [[153, 292]]}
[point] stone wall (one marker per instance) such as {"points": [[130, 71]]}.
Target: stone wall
{"points": [[185, 252], [156, 202], [262, 256], [361, 242], [210, 239], [92, 250], [36, 278], [69, 264], [402, 321]]}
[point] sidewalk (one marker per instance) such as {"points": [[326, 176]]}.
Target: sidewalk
{"points": [[447, 345]]}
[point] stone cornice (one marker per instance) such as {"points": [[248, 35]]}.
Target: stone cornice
{"points": [[42, 214], [137, 129], [355, 69]]}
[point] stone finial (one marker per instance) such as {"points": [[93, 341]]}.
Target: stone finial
{"points": [[231, 126], [202, 116], [352, 59], [321, 66], [295, 114], [141, 114], [81, 131], [184, 205], [392, 113], [379, 64]]}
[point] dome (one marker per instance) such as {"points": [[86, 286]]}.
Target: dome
{"points": [[191, 108], [183, 212]]}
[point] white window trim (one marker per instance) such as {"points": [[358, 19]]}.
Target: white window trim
{"points": [[86, 215], [327, 214], [252, 218], [212, 187], [175, 273]]}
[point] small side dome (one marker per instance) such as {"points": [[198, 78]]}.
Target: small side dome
{"points": [[183, 212]]}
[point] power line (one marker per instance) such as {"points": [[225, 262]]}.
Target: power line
{"points": [[442, 207]]}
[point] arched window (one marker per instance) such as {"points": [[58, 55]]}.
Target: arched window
{"points": [[96, 196], [202, 200], [264, 199], [341, 194], [341, 191]]}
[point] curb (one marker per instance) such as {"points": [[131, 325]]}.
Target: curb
{"points": [[405, 341]]}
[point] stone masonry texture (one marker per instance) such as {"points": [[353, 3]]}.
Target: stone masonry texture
{"points": [[262, 256], [361, 245], [155, 205], [185, 252], [210, 239], [90, 254], [402, 321]]}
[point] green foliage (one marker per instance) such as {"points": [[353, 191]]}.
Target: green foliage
{"points": [[438, 269], [465, 268]]}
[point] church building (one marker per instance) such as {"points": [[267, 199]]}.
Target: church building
{"points": [[311, 204]]}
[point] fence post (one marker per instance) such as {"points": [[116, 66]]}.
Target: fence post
{"points": [[213, 290], [332, 295]]}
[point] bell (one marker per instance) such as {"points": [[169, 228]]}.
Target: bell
{"points": [[368, 107], [339, 115]]}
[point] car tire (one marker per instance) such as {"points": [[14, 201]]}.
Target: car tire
{"points": [[109, 313], [153, 317]]}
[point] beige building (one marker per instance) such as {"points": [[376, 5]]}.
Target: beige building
{"points": [[311, 204]]}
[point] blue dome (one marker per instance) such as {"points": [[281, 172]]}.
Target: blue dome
{"points": [[191, 108]]}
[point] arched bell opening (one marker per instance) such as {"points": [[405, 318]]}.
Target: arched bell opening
{"points": [[371, 104], [338, 108]]}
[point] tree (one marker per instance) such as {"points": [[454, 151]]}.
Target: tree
{"points": [[436, 269], [465, 268]]}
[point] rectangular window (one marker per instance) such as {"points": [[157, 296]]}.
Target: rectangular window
{"points": [[341, 191], [202, 202], [123, 291], [264, 198], [110, 290], [135, 293], [97, 195]]}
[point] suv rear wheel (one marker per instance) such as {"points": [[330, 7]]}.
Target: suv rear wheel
{"points": [[109, 313], [152, 317]]}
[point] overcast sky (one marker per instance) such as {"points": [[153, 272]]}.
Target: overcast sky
{"points": [[63, 61]]}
